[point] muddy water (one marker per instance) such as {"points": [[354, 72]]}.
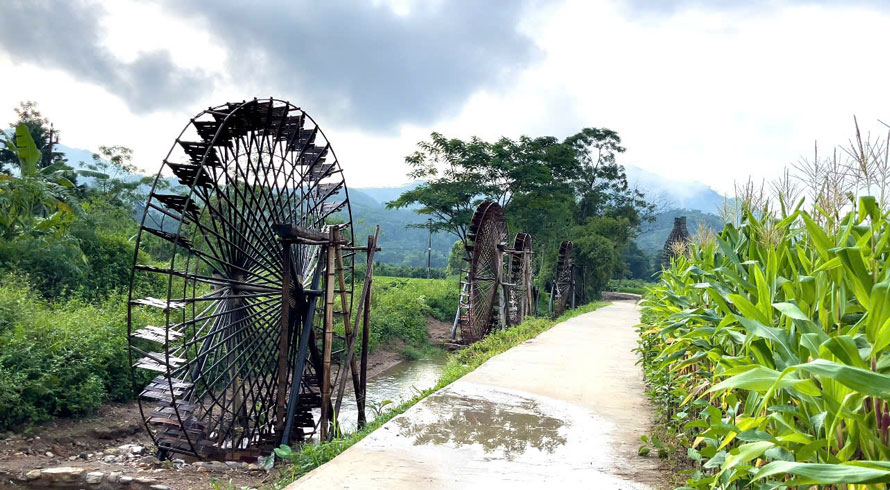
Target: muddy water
{"points": [[391, 387]]}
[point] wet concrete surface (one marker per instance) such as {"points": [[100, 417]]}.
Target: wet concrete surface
{"points": [[564, 408]]}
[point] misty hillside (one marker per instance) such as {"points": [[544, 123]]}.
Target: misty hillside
{"points": [[401, 244], [407, 246], [675, 193]]}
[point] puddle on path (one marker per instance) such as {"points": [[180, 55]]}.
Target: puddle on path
{"points": [[508, 430], [497, 433]]}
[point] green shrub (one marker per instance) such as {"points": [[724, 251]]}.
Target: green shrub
{"points": [[59, 359], [400, 307]]}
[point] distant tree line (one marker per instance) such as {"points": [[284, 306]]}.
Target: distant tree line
{"points": [[572, 189]]}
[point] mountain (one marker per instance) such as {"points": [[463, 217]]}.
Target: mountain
{"points": [[386, 194], [403, 243], [400, 244], [678, 194]]}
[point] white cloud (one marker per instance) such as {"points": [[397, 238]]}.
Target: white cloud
{"points": [[712, 95]]}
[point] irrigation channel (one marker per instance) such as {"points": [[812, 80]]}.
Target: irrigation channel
{"points": [[393, 386]]}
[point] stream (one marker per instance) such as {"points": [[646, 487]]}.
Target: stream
{"points": [[397, 384]]}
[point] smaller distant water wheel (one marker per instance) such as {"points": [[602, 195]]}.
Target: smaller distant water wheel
{"points": [[481, 292], [564, 282], [521, 290]]}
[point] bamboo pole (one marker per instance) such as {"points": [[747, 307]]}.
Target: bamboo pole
{"points": [[502, 299], [281, 401], [366, 328], [328, 339], [349, 365]]}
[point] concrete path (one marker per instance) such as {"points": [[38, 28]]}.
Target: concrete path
{"points": [[564, 408]]}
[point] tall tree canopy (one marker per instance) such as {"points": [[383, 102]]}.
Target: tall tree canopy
{"points": [[555, 190]]}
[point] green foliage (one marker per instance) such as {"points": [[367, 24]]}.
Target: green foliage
{"points": [[400, 306], [635, 286], [767, 350], [545, 186], [40, 133], [26, 150], [58, 359], [405, 271], [456, 258]]}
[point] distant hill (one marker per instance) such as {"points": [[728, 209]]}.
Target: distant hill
{"points": [[400, 245], [678, 193], [386, 194], [407, 246]]}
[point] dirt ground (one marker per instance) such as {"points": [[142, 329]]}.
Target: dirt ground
{"points": [[111, 441], [114, 441], [439, 331]]}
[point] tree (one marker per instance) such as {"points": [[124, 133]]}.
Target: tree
{"points": [[455, 257], [37, 200], [454, 183], [573, 189], [601, 183], [460, 174], [42, 132], [116, 178], [639, 265]]}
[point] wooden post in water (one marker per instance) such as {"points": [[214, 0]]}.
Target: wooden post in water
{"points": [[366, 327], [499, 284], [350, 334]]}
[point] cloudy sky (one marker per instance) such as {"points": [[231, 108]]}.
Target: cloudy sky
{"points": [[713, 90]]}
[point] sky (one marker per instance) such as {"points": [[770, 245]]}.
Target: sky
{"points": [[712, 91]]}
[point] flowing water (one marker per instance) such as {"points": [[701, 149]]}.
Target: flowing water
{"points": [[392, 387]]}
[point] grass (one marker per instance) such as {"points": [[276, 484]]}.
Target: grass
{"points": [[459, 363], [634, 286], [400, 307]]}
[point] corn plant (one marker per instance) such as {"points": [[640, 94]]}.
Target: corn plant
{"points": [[769, 347]]}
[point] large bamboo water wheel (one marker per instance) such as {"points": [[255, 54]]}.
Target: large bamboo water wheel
{"points": [[241, 342], [564, 280], [480, 288]]}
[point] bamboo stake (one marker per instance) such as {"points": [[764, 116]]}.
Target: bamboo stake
{"points": [[281, 402], [366, 327], [349, 365], [499, 272], [358, 386], [328, 340]]}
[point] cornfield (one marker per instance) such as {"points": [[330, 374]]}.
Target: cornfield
{"points": [[768, 347]]}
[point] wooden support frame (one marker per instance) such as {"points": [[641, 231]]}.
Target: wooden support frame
{"points": [[332, 389]]}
